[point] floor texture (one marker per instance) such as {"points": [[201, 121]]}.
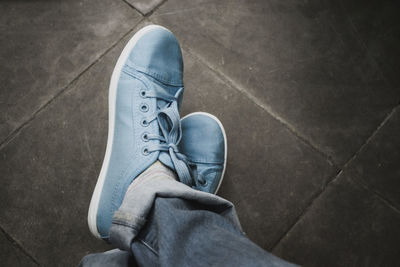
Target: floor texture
{"points": [[308, 92]]}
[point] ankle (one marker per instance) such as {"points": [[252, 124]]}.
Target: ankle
{"points": [[156, 170]]}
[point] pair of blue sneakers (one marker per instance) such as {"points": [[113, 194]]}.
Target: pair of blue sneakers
{"points": [[145, 94]]}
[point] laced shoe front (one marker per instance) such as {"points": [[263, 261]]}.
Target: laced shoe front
{"points": [[144, 125]]}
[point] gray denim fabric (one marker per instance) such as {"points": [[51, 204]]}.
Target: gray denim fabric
{"points": [[138, 202], [112, 258], [162, 222]]}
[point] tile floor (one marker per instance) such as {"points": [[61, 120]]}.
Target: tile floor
{"points": [[308, 92]]}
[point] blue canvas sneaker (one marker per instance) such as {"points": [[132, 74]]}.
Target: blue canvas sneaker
{"points": [[144, 125], [205, 146]]}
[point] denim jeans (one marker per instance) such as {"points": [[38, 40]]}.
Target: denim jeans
{"points": [[162, 222]]}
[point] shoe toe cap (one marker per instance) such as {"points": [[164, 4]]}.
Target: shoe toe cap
{"points": [[158, 54], [203, 139]]}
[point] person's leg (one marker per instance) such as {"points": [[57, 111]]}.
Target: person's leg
{"points": [[145, 129], [166, 223]]}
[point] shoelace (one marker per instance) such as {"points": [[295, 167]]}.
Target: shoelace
{"points": [[171, 133]]}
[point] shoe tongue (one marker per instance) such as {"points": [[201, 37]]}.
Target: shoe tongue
{"points": [[165, 158], [166, 89]]}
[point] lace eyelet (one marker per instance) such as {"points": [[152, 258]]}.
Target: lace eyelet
{"points": [[145, 137], [142, 93], [203, 183], [145, 151], [144, 107], [144, 123]]}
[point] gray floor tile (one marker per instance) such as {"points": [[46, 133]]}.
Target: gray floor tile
{"points": [[377, 165], [378, 25], [45, 45], [347, 226], [49, 171], [11, 255], [271, 175], [145, 6], [300, 60]]}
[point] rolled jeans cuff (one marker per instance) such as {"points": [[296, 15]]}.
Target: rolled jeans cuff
{"points": [[132, 215]]}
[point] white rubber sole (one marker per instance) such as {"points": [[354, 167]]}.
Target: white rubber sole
{"points": [[225, 140], [112, 97]]}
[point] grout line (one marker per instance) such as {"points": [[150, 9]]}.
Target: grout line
{"points": [[130, 5], [357, 35], [315, 197], [262, 105], [16, 131], [361, 183], [148, 14], [156, 8], [369, 139], [18, 246]]}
